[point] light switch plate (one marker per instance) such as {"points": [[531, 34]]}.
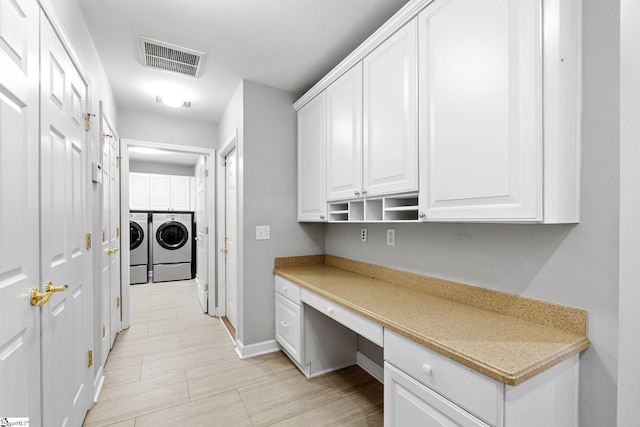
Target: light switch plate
{"points": [[391, 236], [263, 232]]}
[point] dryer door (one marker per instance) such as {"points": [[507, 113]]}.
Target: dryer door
{"points": [[136, 235], [172, 235]]}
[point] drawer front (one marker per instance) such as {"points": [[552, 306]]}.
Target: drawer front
{"points": [[288, 289], [360, 325], [288, 326], [409, 403], [465, 387]]}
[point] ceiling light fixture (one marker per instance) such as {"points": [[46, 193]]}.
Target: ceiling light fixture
{"points": [[172, 99]]}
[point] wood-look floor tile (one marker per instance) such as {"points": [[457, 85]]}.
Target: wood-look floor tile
{"points": [[127, 401], [146, 345], [225, 376], [122, 370], [281, 398], [362, 409], [280, 364], [349, 380], [165, 326], [221, 410], [178, 359], [297, 421]]}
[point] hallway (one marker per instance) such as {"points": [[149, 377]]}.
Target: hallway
{"points": [[177, 366]]}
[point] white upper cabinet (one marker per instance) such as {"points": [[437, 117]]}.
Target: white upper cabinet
{"points": [[312, 138], [180, 193], [481, 95], [139, 191], [390, 114], [160, 190], [344, 136]]}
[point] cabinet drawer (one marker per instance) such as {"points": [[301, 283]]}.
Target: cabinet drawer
{"points": [[288, 326], [288, 289], [360, 325], [467, 388]]}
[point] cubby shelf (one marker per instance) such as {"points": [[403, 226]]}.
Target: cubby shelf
{"points": [[402, 208]]}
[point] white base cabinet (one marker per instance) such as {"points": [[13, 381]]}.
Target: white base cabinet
{"points": [[422, 387]]}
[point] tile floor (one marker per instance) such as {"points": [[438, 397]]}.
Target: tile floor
{"points": [[176, 366]]}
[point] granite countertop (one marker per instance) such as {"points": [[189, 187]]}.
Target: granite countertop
{"points": [[509, 348]]}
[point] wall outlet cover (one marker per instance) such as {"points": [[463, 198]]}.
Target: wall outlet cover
{"points": [[364, 235], [263, 232], [391, 236]]}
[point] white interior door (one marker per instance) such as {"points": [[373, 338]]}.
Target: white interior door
{"points": [[202, 227], [231, 233], [105, 285], [19, 226], [64, 221]]}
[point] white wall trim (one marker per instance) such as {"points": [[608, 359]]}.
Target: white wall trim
{"points": [[404, 15], [371, 367], [257, 349]]}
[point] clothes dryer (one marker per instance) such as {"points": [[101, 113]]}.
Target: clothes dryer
{"points": [[138, 248], [172, 246]]}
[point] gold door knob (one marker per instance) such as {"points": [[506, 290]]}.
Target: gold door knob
{"points": [[51, 289], [112, 251], [224, 250], [38, 298]]}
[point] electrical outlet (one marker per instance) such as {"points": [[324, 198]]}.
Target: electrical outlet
{"points": [[363, 235], [263, 232], [391, 237]]}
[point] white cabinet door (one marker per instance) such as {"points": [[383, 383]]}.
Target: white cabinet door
{"points": [[138, 191], [312, 131], [480, 110], [344, 136], [408, 403], [390, 114], [160, 192], [288, 326], [180, 193]]}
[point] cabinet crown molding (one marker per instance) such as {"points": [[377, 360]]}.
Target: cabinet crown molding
{"points": [[404, 15]]}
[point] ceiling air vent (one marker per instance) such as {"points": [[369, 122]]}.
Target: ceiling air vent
{"points": [[165, 56]]}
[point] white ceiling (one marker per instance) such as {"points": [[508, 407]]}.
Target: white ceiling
{"points": [[287, 44]]}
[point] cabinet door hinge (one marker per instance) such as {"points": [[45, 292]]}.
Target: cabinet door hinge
{"points": [[90, 364], [118, 162], [89, 241], [206, 230], [104, 237], [117, 231], [117, 302], [87, 121], [206, 287], [104, 331]]}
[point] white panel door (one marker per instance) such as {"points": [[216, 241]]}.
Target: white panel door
{"points": [[312, 184], [480, 110], [160, 192], [202, 237], [139, 191], [19, 209], [64, 222], [344, 136], [231, 233], [105, 241], [114, 232], [181, 193], [391, 114]]}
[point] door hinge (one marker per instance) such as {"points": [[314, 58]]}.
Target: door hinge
{"points": [[206, 172], [206, 287], [90, 364], [87, 121], [117, 302], [117, 231], [104, 237], [89, 241], [118, 162], [206, 230], [104, 331]]}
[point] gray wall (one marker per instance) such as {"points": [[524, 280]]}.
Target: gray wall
{"points": [[161, 168], [575, 265], [169, 130], [270, 185]]}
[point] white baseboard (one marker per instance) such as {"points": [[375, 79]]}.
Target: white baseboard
{"points": [[98, 382], [252, 350], [372, 368]]}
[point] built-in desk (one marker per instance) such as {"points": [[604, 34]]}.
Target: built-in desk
{"points": [[468, 354]]}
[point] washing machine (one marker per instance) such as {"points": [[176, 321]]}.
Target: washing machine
{"points": [[139, 247], [172, 246]]}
